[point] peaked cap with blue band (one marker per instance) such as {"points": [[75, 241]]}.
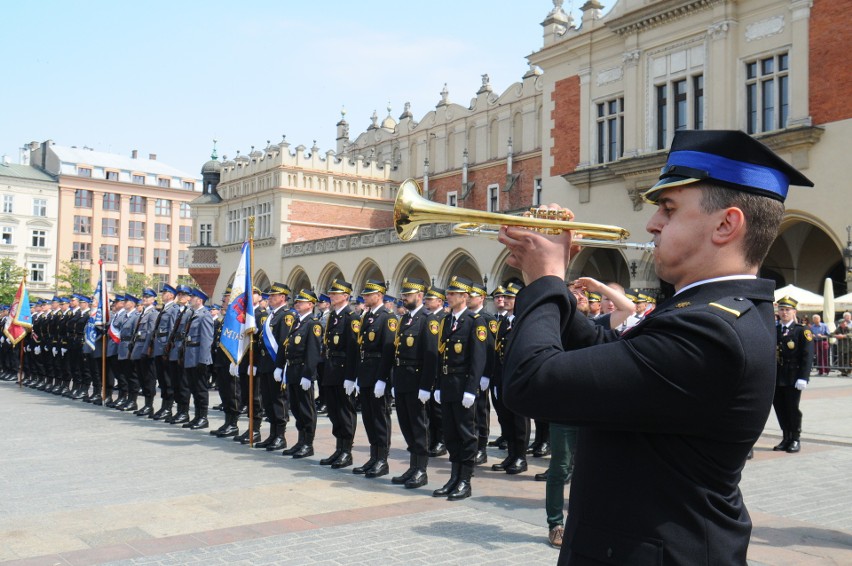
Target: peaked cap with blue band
{"points": [[729, 157]]}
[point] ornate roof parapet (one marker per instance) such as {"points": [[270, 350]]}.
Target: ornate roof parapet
{"points": [[656, 14]]}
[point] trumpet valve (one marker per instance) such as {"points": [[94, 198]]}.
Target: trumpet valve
{"points": [[549, 214]]}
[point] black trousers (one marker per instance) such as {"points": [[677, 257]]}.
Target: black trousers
{"points": [[413, 422], [304, 410], [164, 378], [436, 422], [341, 413], [128, 368], [786, 404], [483, 420], [229, 389], [516, 428], [542, 432], [254, 395], [376, 417], [197, 379], [95, 373], [180, 383], [459, 432], [112, 374], [147, 377], [274, 399]]}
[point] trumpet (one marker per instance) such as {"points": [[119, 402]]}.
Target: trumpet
{"points": [[411, 210]]}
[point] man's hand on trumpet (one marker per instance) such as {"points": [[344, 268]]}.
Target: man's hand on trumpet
{"points": [[538, 255]]}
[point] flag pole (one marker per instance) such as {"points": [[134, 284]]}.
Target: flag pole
{"points": [[21, 363], [250, 296]]}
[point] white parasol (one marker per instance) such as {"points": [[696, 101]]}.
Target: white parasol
{"points": [[828, 314]]}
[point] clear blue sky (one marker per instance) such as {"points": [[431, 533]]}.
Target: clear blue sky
{"points": [[168, 77]]}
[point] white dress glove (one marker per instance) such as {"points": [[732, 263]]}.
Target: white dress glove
{"points": [[234, 370], [801, 384], [393, 392], [349, 386], [55, 351], [379, 389], [423, 395], [467, 400], [64, 351], [37, 350], [254, 370], [437, 396], [357, 388], [483, 383], [278, 375], [305, 383]]}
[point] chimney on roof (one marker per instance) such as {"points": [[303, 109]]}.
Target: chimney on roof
{"points": [[152, 156], [134, 154]]}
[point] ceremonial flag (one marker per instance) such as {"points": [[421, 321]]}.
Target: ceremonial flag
{"points": [[20, 316], [239, 323], [100, 310]]}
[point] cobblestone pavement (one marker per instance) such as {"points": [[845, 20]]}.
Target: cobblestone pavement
{"points": [[88, 485]]}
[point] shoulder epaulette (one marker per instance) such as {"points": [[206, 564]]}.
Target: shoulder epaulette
{"points": [[736, 306]]}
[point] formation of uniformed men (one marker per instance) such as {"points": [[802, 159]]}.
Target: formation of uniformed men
{"points": [[434, 354]]}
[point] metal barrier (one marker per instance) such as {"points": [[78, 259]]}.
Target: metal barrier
{"points": [[833, 354]]}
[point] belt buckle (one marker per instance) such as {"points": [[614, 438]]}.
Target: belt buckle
{"points": [[362, 355]]}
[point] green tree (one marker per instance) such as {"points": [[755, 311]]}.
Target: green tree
{"points": [[10, 279], [74, 277], [186, 280], [136, 282]]}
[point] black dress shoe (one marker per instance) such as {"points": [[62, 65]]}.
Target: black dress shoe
{"points": [[278, 443], [180, 418], [781, 446], [331, 459], [481, 457], [264, 443], [145, 411], [344, 461], [62, 391], [517, 466], [542, 476], [292, 450], [461, 491], [542, 451], [496, 442], [447, 487], [399, 480], [230, 430], [417, 479], [439, 449], [501, 466], [750, 454], [190, 423], [77, 395], [165, 416], [200, 423], [322, 409], [305, 451], [363, 469], [217, 407], [96, 400], [532, 447], [132, 406], [245, 439], [110, 404], [793, 447], [379, 469]]}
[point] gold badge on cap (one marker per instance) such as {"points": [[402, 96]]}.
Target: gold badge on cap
{"points": [[336, 339], [371, 336], [458, 347], [409, 341]]}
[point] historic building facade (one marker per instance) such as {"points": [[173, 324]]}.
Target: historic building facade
{"points": [[589, 126], [132, 212], [28, 223]]}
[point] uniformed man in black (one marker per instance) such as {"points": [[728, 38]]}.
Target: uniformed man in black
{"points": [[414, 377], [476, 304], [302, 351], [163, 326], [433, 302], [378, 331], [273, 328], [463, 350], [241, 372], [227, 383], [341, 351], [795, 358], [516, 428]]}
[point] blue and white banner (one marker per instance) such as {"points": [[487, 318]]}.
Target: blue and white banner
{"points": [[239, 324], [99, 312]]}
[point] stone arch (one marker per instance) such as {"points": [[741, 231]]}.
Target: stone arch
{"points": [[493, 139], [368, 269], [805, 253], [502, 271], [517, 132], [298, 279], [261, 280], [459, 262], [328, 274], [408, 266], [603, 264]]}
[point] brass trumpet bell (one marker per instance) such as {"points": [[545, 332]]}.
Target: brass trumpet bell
{"points": [[411, 210]]}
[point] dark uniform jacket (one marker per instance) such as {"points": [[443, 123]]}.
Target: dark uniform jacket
{"points": [[795, 354], [279, 327], [464, 355], [302, 350], [491, 323], [504, 330], [416, 352], [220, 358], [668, 414], [376, 338], [341, 346]]}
